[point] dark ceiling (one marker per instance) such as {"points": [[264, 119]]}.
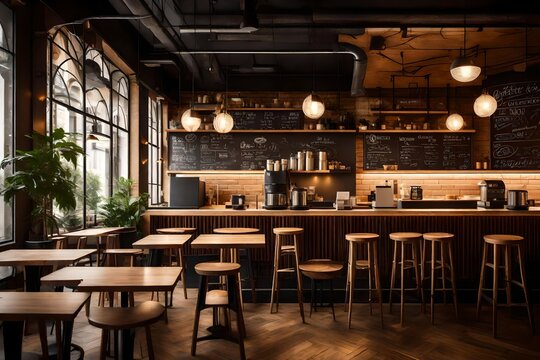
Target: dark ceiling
{"points": [[174, 28]]}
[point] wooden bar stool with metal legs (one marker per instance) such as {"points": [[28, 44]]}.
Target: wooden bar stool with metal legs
{"points": [[503, 245], [445, 263], [228, 299], [119, 318], [371, 263], [285, 248], [178, 254], [319, 271], [411, 240]]}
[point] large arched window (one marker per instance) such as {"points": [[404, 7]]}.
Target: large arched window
{"points": [[7, 55], [88, 94]]}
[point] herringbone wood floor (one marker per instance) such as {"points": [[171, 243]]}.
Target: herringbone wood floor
{"points": [[283, 336]]}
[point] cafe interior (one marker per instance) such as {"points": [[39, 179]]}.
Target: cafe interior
{"points": [[269, 179]]}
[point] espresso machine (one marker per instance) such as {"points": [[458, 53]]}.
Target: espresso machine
{"points": [[276, 189], [492, 194]]}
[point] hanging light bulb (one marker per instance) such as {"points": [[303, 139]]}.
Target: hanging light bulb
{"points": [[463, 68], [223, 122], [485, 105], [190, 120], [313, 106], [455, 122]]}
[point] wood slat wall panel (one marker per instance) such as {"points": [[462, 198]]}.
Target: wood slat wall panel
{"points": [[324, 237]]}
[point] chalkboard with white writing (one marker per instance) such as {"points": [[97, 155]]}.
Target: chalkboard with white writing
{"points": [[267, 119], [515, 126], [249, 151], [418, 151]]}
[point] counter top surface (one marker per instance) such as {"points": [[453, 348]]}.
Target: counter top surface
{"points": [[217, 210]]}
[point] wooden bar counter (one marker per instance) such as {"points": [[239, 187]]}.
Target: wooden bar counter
{"points": [[325, 231]]}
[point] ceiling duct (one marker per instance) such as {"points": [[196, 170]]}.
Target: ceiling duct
{"points": [[359, 69]]}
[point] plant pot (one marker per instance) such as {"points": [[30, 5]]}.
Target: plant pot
{"points": [[127, 237], [39, 244]]}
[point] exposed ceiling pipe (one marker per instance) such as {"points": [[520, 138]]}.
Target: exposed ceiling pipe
{"points": [[359, 69], [140, 8]]}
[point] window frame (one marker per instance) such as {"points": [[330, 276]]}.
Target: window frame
{"points": [[155, 144]]}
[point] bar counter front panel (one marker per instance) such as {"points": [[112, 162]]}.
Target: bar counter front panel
{"points": [[324, 232]]}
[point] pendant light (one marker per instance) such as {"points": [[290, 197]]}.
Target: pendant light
{"points": [[485, 105], [463, 68], [455, 122], [313, 105], [191, 121], [224, 122]]}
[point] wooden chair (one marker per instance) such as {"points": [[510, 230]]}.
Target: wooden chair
{"points": [[118, 318]]}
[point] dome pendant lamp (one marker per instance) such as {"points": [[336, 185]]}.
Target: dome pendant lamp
{"points": [[463, 68], [224, 122], [455, 122], [191, 120], [485, 105]]}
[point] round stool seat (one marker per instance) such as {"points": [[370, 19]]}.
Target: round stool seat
{"points": [[217, 268], [362, 237], [116, 318], [438, 236], [288, 231], [502, 239], [405, 236], [321, 269], [176, 230], [236, 230]]}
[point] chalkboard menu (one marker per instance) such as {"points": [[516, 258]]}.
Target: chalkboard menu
{"points": [[515, 126], [244, 151], [417, 151], [268, 119]]}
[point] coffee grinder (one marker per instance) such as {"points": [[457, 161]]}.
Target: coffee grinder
{"points": [[276, 190]]}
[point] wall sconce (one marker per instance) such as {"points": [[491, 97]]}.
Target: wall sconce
{"points": [[144, 140], [144, 161]]}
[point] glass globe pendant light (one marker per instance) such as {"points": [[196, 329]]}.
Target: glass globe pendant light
{"points": [[463, 68], [485, 105], [224, 122], [455, 122], [313, 106], [190, 120]]}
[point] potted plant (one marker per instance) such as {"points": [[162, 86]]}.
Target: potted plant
{"points": [[45, 173], [125, 210]]}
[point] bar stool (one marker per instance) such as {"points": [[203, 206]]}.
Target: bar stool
{"points": [[319, 271], [286, 248], [444, 240], [413, 240], [503, 244], [371, 241], [234, 254], [116, 318], [215, 299], [179, 254]]}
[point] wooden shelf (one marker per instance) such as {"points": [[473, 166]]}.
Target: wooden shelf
{"points": [[264, 109], [235, 172], [448, 172], [417, 131], [410, 112], [265, 131], [320, 171]]}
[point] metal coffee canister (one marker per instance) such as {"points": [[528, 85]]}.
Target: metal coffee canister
{"points": [[293, 162], [301, 161], [310, 161], [270, 165], [323, 160]]}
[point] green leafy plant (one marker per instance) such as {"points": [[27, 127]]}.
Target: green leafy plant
{"points": [[45, 173], [122, 209]]}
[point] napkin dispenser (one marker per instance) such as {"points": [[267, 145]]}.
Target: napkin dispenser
{"points": [[343, 201]]}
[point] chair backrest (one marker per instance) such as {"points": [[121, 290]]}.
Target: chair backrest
{"points": [[113, 242], [81, 242]]}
